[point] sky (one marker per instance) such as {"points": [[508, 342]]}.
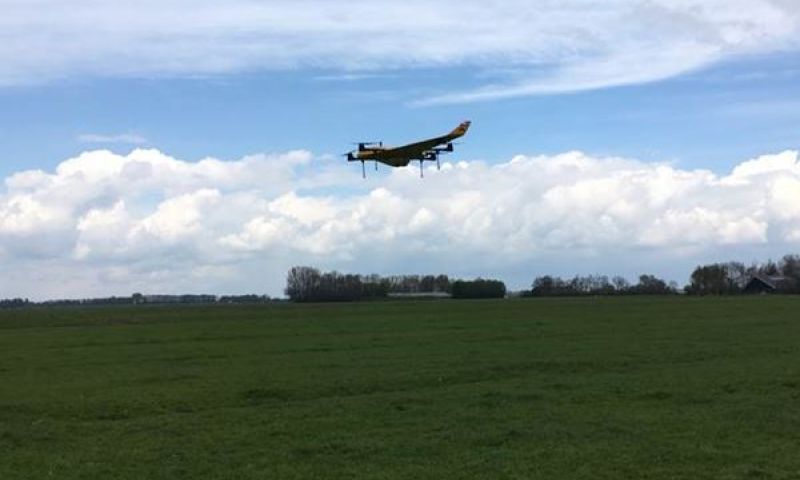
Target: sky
{"points": [[195, 146]]}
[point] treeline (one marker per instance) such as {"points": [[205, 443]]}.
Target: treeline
{"points": [[549, 286], [308, 284], [204, 299], [139, 299], [244, 299], [14, 303], [129, 300], [479, 288], [728, 278], [732, 278], [413, 283]]}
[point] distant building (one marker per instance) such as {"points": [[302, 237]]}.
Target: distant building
{"points": [[178, 299], [767, 284], [162, 299], [400, 295]]}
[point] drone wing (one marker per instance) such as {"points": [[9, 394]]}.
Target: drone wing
{"points": [[419, 150]]}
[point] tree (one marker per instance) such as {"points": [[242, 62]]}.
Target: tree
{"points": [[651, 285], [427, 283], [441, 284], [736, 276], [301, 282], [769, 269], [545, 286], [790, 268], [621, 285], [715, 279]]}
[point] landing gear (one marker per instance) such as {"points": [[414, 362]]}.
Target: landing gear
{"points": [[363, 170]]}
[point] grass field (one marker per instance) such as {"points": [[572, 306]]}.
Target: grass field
{"points": [[595, 388]]}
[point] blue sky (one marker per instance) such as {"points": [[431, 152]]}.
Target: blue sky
{"points": [[145, 153], [712, 118]]}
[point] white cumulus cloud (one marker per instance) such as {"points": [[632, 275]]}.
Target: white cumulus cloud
{"points": [[548, 47], [146, 221]]}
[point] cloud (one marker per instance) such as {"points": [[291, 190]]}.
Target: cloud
{"points": [[114, 224], [351, 77], [552, 47], [130, 138]]}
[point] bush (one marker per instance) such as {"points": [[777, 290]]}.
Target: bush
{"points": [[479, 288]]}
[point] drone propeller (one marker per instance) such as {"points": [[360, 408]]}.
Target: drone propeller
{"points": [[363, 145]]}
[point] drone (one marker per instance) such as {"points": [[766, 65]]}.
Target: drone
{"points": [[423, 151]]}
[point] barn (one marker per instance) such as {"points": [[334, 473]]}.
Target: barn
{"points": [[767, 284]]}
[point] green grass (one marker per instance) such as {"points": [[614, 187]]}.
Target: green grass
{"points": [[535, 388]]}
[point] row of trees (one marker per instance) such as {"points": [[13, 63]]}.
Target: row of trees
{"points": [[14, 303], [713, 279], [138, 299], [307, 284], [413, 283], [479, 288], [732, 277], [240, 299], [549, 286]]}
